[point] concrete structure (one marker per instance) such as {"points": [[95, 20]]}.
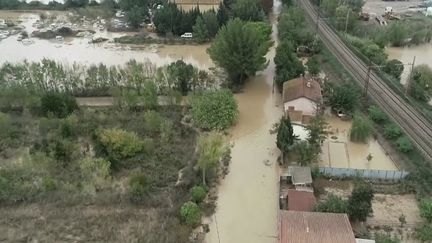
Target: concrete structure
{"points": [[307, 227], [301, 97]]}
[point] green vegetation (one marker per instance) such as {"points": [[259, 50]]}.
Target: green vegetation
{"points": [[238, 49], [383, 238], [214, 110], [392, 131], [377, 115], [404, 144], [421, 85], [333, 204], [426, 209], [343, 98], [424, 233], [248, 10], [285, 135], [361, 129], [198, 194], [210, 150], [191, 213], [288, 66], [360, 201], [394, 68], [59, 105], [138, 188]]}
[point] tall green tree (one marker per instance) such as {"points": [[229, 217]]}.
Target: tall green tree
{"points": [[361, 129], [211, 22], [222, 14], [248, 10], [181, 74], [343, 98], [238, 49], [317, 132], [210, 149], [360, 201], [200, 31], [285, 135], [395, 68], [397, 34], [288, 66], [306, 153]]}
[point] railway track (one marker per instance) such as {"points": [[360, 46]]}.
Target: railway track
{"points": [[412, 122]]}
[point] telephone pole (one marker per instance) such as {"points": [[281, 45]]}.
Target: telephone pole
{"points": [[410, 76], [367, 81]]}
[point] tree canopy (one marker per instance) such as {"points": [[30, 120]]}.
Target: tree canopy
{"points": [[285, 135], [360, 201]]}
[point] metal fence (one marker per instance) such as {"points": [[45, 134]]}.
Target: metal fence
{"points": [[365, 173]]}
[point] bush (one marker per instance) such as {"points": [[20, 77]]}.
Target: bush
{"points": [[361, 129], [426, 209], [198, 194], [152, 120], [138, 187], [392, 131], [190, 213], [382, 238], [404, 144], [376, 114], [58, 104], [333, 204], [360, 202], [214, 110], [95, 170], [120, 144], [342, 97], [424, 233]]}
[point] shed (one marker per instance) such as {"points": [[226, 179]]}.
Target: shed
{"points": [[307, 227], [301, 200], [300, 176]]}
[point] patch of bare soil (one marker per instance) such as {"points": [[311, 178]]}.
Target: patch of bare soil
{"points": [[325, 187], [114, 223]]}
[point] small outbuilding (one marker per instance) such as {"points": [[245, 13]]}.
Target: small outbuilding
{"points": [[301, 97], [303, 201]]}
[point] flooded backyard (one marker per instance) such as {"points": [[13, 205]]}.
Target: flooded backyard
{"points": [[422, 54], [339, 152]]}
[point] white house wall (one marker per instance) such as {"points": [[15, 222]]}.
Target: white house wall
{"points": [[301, 104]]}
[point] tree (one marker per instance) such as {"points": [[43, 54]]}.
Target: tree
{"points": [[149, 95], [214, 110], [376, 114], [345, 18], [200, 31], [136, 15], [306, 153], [181, 74], [397, 34], [342, 98], [138, 187], [198, 194], [333, 204], [238, 50], [392, 131], [285, 136], [190, 213], [76, 3], [313, 66], [168, 19], [211, 22], [361, 129], [360, 201], [58, 104], [329, 7], [404, 144], [288, 66], [210, 149], [262, 28], [248, 10], [421, 85], [222, 15], [395, 68], [317, 131], [426, 209], [402, 220]]}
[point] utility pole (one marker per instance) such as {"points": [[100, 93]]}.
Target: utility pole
{"points": [[367, 81], [346, 21], [410, 76], [318, 16]]}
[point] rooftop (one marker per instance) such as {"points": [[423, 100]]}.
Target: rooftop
{"points": [[301, 201], [300, 175], [301, 87], [306, 227]]}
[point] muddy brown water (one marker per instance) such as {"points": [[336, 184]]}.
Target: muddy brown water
{"points": [[422, 53]]}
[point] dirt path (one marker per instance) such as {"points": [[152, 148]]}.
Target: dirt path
{"points": [[247, 206]]}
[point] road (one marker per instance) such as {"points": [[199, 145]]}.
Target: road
{"points": [[412, 122]]}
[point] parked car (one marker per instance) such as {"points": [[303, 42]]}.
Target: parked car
{"points": [[186, 35]]}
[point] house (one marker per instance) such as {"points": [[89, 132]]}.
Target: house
{"points": [[203, 5], [306, 227], [301, 97], [298, 176], [303, 201]]}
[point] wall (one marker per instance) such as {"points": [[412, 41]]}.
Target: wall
{"points": [[302, 104], [369, 174]]}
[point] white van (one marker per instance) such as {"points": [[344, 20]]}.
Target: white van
{"points": [[186, 35]]}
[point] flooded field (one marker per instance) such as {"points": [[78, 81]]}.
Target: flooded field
{"points": [[422, 53], [339, 152]]}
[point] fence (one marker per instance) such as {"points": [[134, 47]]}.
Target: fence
{"points": [[365, 173]]}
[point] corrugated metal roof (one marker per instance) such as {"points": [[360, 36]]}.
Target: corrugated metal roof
{"points": [[311, 227], [301, 175]]}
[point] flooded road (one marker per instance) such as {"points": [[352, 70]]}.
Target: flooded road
{"points": [[247, 206], [422, 53]]}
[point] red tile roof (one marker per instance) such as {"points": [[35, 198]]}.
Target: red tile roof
{"points": [[301, 87], [301, 200], [311, 227]]}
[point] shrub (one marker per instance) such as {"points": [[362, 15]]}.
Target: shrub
{"points": [[152, 120], [376, 114], [360, 201], [190, 213], [392, 131], [138, 187], [333, 204], [214, 110], [361, 129], [120, 144], [426, 209], [382, 238], [198, 194], [404, 144], [58, 104], [96, 170], [342, 97], [424, 233]]}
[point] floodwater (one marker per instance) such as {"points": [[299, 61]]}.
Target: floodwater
{"points": [[80, 51], [340, 152], [422, 54], [247, 206]]}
